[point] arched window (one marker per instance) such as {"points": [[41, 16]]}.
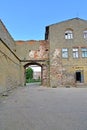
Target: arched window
{"points": [[85, 34], [68, 34]]}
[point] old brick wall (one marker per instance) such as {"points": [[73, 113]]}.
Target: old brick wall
{"points": [[35, 52], [32, 50]]}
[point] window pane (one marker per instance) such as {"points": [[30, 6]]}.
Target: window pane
{"points": [[85, 34], [64, 49], [84, 52], [65, 53], [75, 53], [68, 34], [84, 49]]}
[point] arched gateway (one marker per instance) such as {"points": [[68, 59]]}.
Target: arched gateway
{"points": [[35, 53], [44, 78]]}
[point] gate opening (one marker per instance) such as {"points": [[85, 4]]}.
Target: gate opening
{"points": [[33, 75]]}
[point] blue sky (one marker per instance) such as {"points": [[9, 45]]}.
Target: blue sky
{"points": [[26, 19]]}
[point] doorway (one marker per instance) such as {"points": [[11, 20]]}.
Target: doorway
{"points": [[79, 76]]}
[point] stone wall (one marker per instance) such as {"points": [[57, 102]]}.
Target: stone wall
{"points": [[35, 53], [32, 50], [55, 68], [11, 71], [6, 37]]}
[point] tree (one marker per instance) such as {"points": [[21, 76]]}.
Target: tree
{"points": [[29, 73]]}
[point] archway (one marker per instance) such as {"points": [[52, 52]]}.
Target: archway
{"points": [[37, 74]]}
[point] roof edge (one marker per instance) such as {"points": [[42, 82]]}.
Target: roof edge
{"points": [[77, 18]]}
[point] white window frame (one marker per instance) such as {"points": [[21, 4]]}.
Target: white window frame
{"points": [[64, 52], [84, 52], [68, 34], [85, 34], [75, 53]]}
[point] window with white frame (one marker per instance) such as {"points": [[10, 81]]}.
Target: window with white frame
{"points": [[85, 34], [75, 53], [84, 52], [64, 53], [68, 34]]}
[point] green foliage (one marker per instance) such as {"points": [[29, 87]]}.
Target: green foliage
{"points": [[29, 73], [33, 80], [29, 76]]}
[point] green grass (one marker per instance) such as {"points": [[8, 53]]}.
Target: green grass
{"points": [[32, 80]]}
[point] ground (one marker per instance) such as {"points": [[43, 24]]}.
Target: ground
{"points": [[39, 108]]}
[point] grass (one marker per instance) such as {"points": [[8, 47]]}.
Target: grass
{"points": [[32, 80]]}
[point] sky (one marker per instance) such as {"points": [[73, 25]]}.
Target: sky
{"points": [[35, 68], [27, 19]]}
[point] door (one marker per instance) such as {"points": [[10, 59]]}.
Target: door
{"points": [[78, 77]]}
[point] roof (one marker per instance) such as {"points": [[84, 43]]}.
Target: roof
{"points": [[68, 20]]}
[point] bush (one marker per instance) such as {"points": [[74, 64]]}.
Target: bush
{"points": [[29, 73], [32, 80]]}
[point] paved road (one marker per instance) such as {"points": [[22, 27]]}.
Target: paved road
{"points": [[44, 109]]}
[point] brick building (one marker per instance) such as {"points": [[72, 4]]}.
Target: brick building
{"points": [[68, 52], [62, 56]]}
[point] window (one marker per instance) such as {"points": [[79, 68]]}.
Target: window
{"points": [[75, 53], [85, 34], [68, 34], [84, 52], [65, 53]]}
